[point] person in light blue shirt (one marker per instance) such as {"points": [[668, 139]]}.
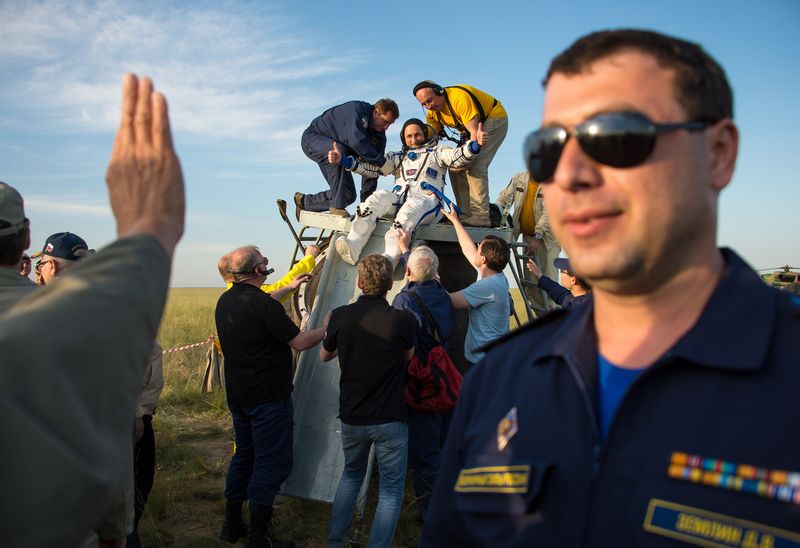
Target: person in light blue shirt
{"points": [[487, 299]]}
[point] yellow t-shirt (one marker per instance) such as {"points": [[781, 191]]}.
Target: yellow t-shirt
{"points": [[527, 217], [464, 107]]}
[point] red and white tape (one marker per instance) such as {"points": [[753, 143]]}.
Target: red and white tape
{"points": [[188, 346]]}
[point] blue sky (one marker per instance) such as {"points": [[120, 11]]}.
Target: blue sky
{"points": [[244, 79]]}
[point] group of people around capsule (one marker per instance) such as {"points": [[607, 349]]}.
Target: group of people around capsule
{"points": [[663, 410], [373, 340]]}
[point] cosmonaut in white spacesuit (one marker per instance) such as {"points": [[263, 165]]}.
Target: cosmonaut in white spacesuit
{"points": [[420, 161]]}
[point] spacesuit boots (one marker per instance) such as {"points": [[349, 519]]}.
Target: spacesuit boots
{"points": [[391, 249], [349, 247]]}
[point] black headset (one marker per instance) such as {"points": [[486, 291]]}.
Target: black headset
{"points": [[426, 129], [436, 88], [261, 268]]}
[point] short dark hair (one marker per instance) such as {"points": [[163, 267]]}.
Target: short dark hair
{"points": [[12, 245], [496, 252], [387, 105], [701, 86], [375, 275]]}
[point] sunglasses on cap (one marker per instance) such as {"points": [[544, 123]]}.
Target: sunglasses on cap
{"points": [[616, 139]]}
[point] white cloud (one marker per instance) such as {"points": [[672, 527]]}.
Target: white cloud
{"points": [[228, 70], [66, 205]]}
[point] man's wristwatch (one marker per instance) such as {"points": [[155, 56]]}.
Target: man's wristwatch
{"points": [[537, 236]]}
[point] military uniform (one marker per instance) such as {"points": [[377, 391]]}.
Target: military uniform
{"points": [[68, 406], [703, 448]]}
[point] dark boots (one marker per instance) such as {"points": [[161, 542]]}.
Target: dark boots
{"points": [[234, 528], [260, 530]]}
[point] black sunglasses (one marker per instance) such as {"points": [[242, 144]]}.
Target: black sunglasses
{"points": [[616, 139]]}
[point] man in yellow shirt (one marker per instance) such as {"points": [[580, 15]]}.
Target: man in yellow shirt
{"points": [[523, 196], [466, 109]]}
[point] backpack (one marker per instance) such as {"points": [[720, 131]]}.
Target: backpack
{"points": [[432, 384]]}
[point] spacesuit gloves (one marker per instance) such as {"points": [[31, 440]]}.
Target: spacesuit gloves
{"points": [[348, 162]]}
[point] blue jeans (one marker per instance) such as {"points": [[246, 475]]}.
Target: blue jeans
{"points": [[391, 451], [263, 457]]}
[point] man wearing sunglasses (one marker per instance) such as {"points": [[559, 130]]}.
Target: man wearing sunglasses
{"points": [[665, 408]]}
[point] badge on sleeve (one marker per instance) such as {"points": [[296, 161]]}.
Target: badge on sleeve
{"points": [[507, 428]]}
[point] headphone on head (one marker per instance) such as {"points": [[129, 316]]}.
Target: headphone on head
{"points": [[436, 88], [261, 268], [426, 130]]}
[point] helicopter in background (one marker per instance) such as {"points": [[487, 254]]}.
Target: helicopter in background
{"points": [[783, 277]]}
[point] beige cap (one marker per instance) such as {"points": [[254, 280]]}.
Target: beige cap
{"points": [[11, 210]]}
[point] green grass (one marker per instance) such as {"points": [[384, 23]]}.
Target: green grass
{"points": [[194, 441]]}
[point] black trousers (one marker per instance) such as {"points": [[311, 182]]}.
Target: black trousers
{"points": [[144, 470]]}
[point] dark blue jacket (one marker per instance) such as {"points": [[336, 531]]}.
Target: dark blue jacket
{"points": [[728, 389], [438, 302], [349, 124], [560, 294]]}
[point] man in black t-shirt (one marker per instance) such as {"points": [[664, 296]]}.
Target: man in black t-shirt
{"points": [[257, 337], [374, 343]]}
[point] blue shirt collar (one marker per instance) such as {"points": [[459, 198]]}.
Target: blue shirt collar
{"points": [[732, 333]]}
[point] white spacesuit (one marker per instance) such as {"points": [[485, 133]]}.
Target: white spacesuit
{"points": [[408, 202]]}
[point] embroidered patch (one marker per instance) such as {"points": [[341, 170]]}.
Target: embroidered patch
{"points": [[49, 248], [775, 484], [703, 528], [507, 428], [494, 479], [430, 172], [410, 172]]}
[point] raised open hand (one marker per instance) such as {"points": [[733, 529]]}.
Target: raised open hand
{"points": [[145, 183]]}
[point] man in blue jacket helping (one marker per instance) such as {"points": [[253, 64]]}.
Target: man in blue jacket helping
{"points": [[358, 128]]}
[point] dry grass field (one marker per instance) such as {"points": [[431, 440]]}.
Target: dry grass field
{"points": [[194, 441]]}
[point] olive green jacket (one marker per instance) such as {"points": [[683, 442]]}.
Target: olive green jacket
{"points": [[73, 357]]}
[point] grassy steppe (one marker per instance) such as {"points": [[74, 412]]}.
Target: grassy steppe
{"points": [[194, 440]]}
